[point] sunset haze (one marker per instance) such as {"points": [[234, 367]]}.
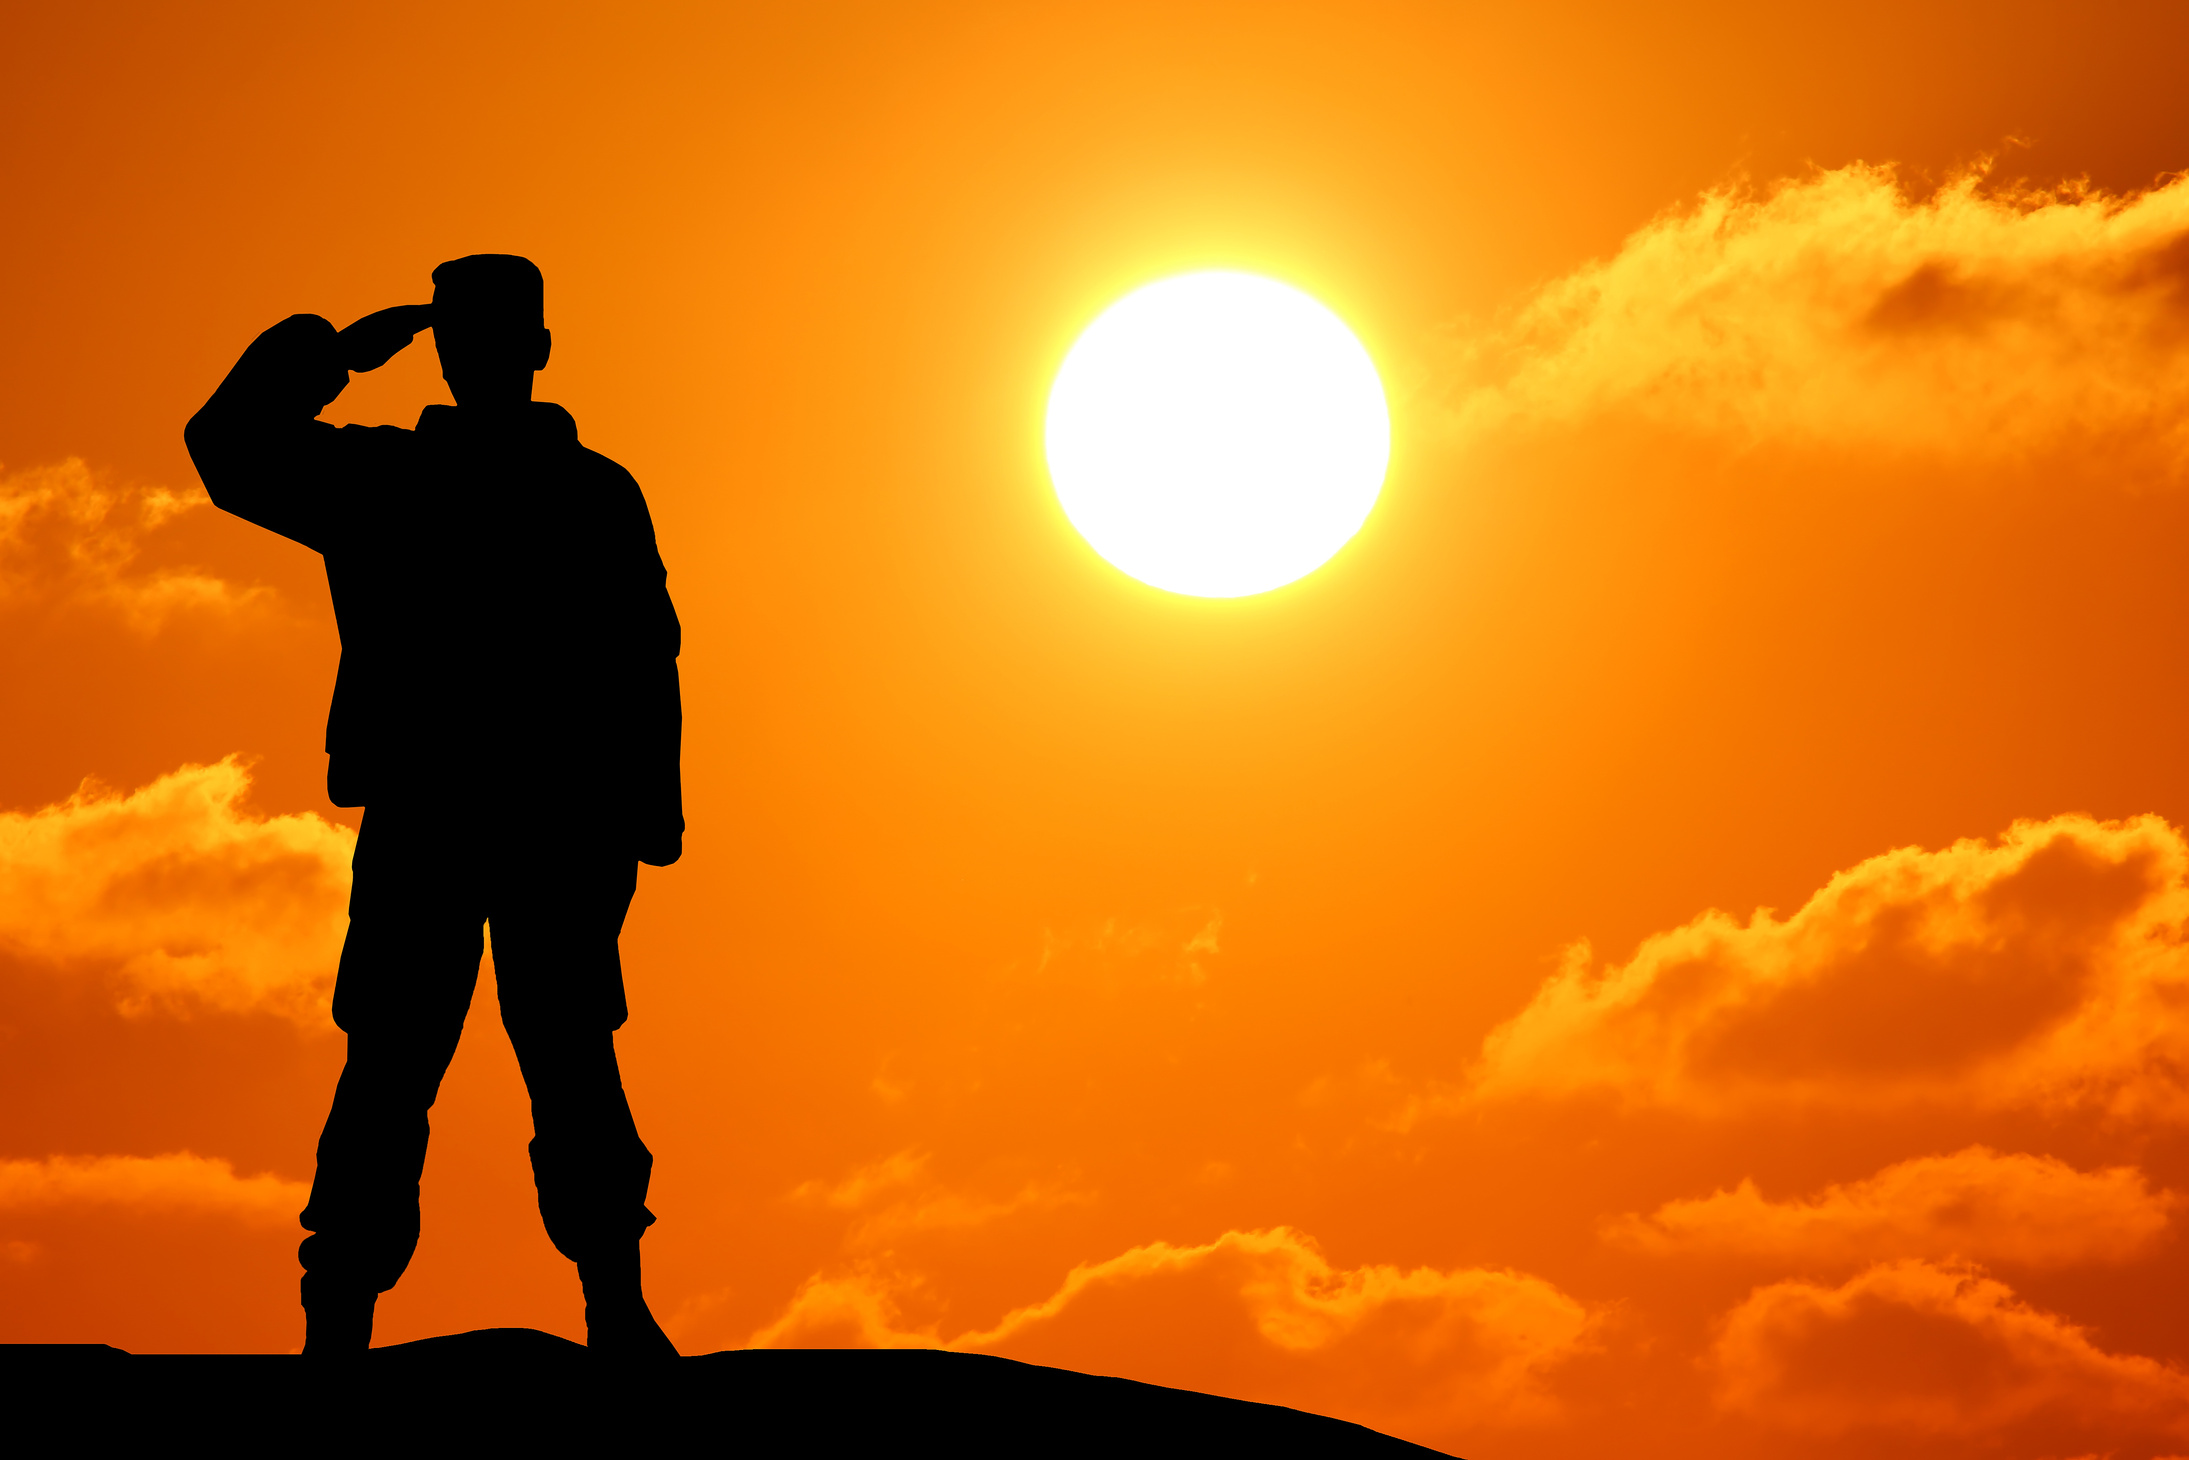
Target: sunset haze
{"points": [[1674, 939]]}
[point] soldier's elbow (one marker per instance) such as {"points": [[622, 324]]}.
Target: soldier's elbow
{"points": [[200, 439]]}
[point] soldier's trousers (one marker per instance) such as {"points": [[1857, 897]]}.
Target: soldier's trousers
{"points": [[425, 882]]}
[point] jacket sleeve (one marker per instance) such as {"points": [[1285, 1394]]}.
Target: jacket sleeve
{"points": [[661, 828], [256, 443], [657, 705]]}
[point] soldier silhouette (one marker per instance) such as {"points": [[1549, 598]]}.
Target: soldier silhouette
{"points": [[507, 711]]}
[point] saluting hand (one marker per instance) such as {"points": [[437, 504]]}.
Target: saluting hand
{"points": [[372, 341]]}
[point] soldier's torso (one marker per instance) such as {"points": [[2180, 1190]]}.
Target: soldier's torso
{"points": [[481, 591]]}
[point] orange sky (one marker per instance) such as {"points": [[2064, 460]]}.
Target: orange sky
{"points": [[1315, 997]]}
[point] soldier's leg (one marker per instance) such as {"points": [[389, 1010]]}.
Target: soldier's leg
{"points": [[561, 986], [590, 1166], [409, 966]]}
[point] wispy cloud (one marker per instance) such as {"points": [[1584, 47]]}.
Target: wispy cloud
{"points": [[1843, 310], [1262, 1315], [187, 897], [1923, 1349], [1974, 1204], [177, 1182], [900, 1195], [1175, 950], [70, 537], [2044, 969]]}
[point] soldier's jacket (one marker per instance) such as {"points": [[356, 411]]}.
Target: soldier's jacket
{"points": [[507, 633]]}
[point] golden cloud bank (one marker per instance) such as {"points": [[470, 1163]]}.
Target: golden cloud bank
{"points": [[1843, 310], [190, 899]]}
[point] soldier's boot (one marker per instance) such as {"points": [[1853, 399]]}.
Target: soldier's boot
{"points": [[617, 1320], [337, 1317]]}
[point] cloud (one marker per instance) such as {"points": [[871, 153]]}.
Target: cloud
{"points": [[69, 537], [1841, 310], [182, 893], [1925, 1349], [1259, 1315], [863, 1308], [1973, 1204], [891, 1173], [898, 1196], [1176, 950], [2045, 969], [180, 1182]]}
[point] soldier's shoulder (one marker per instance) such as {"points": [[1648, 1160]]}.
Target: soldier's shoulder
{"points": [[606, 468], [606, 475]]}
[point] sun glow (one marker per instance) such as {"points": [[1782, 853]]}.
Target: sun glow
{"points": [[1217, 434]]}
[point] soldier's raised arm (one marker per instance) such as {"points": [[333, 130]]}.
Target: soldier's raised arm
{"points": [[258, 443]]}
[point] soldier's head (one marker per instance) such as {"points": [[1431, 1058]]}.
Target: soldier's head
{"points": [[490, 327]]}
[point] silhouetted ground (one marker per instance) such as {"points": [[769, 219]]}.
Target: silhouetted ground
{"points": [[499, 1387]]}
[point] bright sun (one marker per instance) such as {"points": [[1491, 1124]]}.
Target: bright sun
{"points": [[1217, 434]]}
